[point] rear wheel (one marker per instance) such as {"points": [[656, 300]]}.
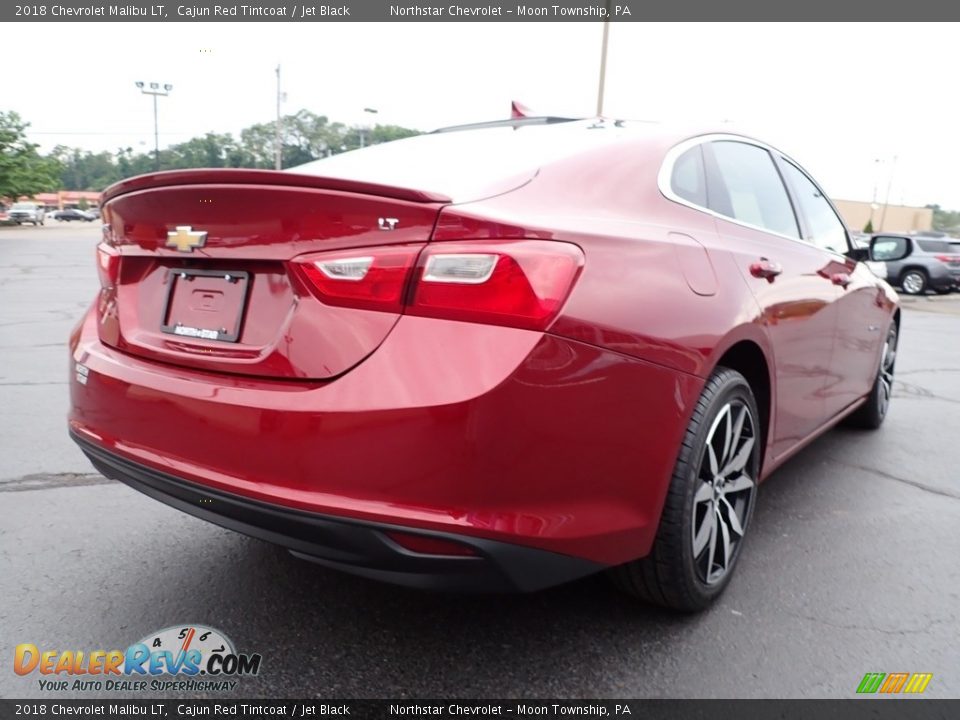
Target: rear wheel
{"points": [[709, 503], [871, 414], [914, 282]]}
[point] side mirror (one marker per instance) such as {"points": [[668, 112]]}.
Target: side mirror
{"points": [[889, 249]]}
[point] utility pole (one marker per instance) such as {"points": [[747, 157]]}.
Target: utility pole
{"points": [[372, 111], [603, 62], [277, 146], [155, 90]]}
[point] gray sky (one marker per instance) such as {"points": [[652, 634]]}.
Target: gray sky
{"points": [[837, 97]]}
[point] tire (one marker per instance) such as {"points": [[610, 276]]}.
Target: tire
{"points": [[872, 413], [677, 574], [914, 281], [943, 291]]}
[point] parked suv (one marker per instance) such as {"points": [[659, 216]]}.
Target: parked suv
{"points": [[929, 263], [27, 212]]}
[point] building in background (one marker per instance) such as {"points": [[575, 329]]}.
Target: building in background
{"points": [[884, 218], [68, 198]]}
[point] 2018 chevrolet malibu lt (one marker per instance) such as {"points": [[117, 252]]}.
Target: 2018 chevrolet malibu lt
{"points": [[498, 358]]}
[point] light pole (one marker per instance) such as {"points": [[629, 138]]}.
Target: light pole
{"points": [[873, 203], [156, 90], [886, 200], [372, 111]]}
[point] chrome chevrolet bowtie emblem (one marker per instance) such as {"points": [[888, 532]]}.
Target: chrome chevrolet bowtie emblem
{"points": [[185, 239]]}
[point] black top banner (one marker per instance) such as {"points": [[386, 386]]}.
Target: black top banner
{"points": [[481, 11], [156, 709]]}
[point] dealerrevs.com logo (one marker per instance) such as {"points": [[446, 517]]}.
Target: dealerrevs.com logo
{"points": [[180, 658]]}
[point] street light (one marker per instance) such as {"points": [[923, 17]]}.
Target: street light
{"points": [[372, 111], [156, 90]]}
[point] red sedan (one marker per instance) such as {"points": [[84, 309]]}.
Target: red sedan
{"points": [[498, 358]]}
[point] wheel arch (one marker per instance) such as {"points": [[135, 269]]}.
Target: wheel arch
{"points": [[749, 358], [913, 266]]}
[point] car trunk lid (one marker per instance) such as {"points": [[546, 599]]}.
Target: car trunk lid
{"points": [[206, 272]]}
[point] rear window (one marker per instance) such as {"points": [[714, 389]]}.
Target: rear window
{"points": [[468, 164], [689, 179], [935, 246]]}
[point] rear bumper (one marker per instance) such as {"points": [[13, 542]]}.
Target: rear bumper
{"points": [[942, 277], [501, 437], [361, 548]]}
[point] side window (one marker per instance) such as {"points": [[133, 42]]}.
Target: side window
{"points": [[935, 246], [889, 247], [826, 229], [688, 180], [754, 191]]}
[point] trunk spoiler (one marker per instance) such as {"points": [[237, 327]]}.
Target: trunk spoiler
{"points": [[242, 176]]}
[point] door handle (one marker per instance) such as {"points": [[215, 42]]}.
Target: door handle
{"points": [[841, 279], [766, 269]]}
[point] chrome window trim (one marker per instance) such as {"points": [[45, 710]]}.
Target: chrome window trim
{"points": [[666, 172]]}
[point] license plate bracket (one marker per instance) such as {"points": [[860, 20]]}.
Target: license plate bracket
{"points": [[205, 304]]}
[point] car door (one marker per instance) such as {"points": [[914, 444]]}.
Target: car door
{"points": [[861, 313], [758, 224]]}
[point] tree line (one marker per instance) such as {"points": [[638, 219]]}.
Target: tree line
{"points": [[945, 220], [305, 136]]}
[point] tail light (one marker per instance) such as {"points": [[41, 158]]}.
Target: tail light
{"points": [[522, 284], [108, 265], [948, 258], [369, 278], [516, 283]]}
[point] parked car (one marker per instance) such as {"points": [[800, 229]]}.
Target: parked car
{"points": [[489, 359], [27, 212], [921, 264], [75, 214]]}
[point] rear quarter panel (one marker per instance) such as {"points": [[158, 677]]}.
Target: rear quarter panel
{"points": [[657, 285]]}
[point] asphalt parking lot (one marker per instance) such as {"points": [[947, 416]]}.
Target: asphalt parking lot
{"points": [[851, 565]]}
